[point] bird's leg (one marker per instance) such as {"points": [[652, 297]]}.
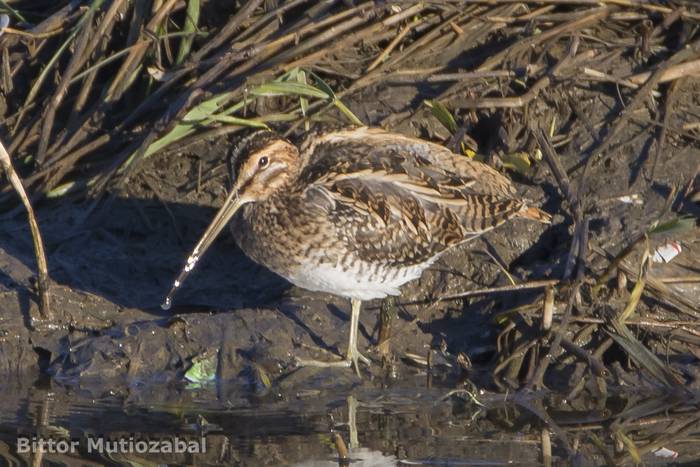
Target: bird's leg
{"points": [[353, 355]]}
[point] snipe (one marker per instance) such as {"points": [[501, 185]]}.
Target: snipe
{"points": [[356, 213]]}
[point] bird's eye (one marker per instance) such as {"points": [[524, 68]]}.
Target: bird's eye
{"points": [[263, 162]]}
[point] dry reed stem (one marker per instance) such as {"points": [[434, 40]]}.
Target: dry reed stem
{"points": [[43, 275], [689, 68]]}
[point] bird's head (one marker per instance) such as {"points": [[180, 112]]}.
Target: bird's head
{"points": [[262, 164]]}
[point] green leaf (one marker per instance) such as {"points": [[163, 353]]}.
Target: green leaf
{"points": [[518, 161], [279, 117], [347, 112], [205, 108], [194, 118], [634, 300], [322, 85], [209, 111], [60, 190], [631, 447], [291, 75], [443, 115], [203, 369], [678, 224]]}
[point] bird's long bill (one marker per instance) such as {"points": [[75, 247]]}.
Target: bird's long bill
{"points": [[222, 218]]}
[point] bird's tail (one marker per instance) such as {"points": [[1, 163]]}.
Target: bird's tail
{"points": [[536, 214]]}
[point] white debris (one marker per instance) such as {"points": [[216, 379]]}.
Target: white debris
{"points": [[631, 199], [665, 453], [4, 22], [666, 252]]}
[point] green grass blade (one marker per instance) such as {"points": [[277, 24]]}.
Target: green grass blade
{"points": [[253, 123], [323, 86], [303, 101], [351, 116], [193, 119], [631, 447], [14, 12], [285, 88], [190, 28], [640, 354], [279, 117]]}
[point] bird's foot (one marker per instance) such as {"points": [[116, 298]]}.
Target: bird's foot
{"points": [[351, 361], [354, 355]]}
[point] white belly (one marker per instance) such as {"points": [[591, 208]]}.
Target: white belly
{"points": [[362, 281]]}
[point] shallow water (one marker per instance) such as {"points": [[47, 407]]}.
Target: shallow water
{"points": [[381, 425]]}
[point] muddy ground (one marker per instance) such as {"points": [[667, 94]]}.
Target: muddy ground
{"points": [[111, 266]]}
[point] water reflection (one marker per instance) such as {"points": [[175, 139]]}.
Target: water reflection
{"points": [[358, 426]]}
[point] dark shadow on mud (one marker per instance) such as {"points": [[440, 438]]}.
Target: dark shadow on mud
{"points": [[291, 312], [128, 251], [546, 257]]}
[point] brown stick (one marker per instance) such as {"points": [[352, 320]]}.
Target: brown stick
{"points": [[672, 73], [392, 45], [627, 3], [671, 95], [43, 277], [593, 362], [122, 82], [505, 288], [689, 68]]}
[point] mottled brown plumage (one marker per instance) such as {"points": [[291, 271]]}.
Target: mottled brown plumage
{"points": [[358, 212]]}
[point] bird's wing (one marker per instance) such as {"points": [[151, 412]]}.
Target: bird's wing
{"points": [[319, 146], [403, 192]]}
